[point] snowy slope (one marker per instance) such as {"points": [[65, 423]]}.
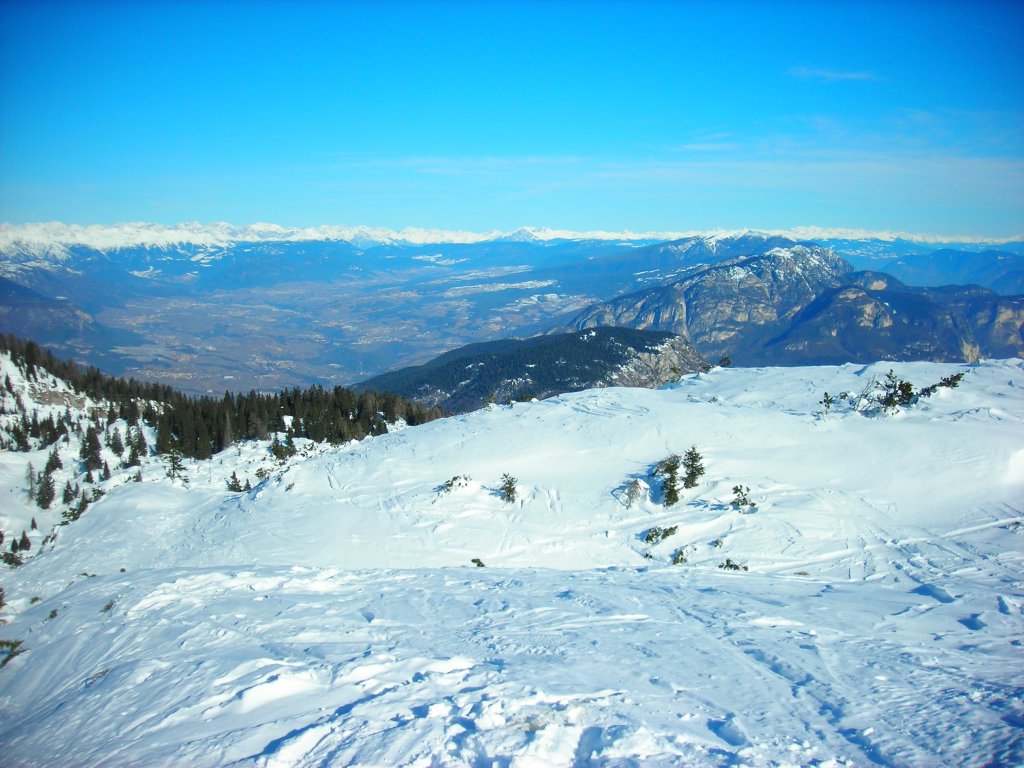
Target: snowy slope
{"points": [[331, 616]]}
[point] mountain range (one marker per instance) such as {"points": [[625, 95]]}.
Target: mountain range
{"points": [[209, 308]]}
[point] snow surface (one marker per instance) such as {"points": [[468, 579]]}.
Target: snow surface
{"points": [[332, 616]]}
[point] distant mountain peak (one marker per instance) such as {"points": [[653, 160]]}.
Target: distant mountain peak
{"points": [[52, 238]]}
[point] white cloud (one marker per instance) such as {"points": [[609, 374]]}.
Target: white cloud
{"points": [[830, 75]]}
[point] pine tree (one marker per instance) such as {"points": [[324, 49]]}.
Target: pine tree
{"points": [[106, 471], [669, 467], [24, 545], [233, 484], [33, 525], [508, 488], [91, 452], [116, 443], [176, 466], [53, 462], [694, 466], [69, 493], [46, 493], [30, 481]]}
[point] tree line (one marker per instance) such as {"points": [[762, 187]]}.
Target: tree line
{"points": [[199, 426]]}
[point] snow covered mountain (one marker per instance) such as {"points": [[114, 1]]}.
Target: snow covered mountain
{"points": [[841, 586], [803, 304]]}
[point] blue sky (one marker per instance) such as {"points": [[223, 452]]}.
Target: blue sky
{"points": [[643, 116]]}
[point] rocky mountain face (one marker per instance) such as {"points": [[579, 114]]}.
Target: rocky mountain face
{"points": [[514, 369], [805, 305]]}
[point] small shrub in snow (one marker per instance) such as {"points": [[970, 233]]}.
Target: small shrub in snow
{"points": [[508, 488], [9, 649], [635, 491], [658, 534], [108, 606], [477, 562], [826, 403], [459, 481], [948, 382], [679, 556], [895, 392], [729, 565], [11, 559], [233, 484], [717, 543], [742, 497]]}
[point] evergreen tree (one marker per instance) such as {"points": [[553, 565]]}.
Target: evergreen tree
{"points": [[106, 471], [694, 466], [53, 462], [176, 466], [233, 484], [508, 488], [30, 481], [33, 526], [24, 545], [669, 467], [69, 493], [91, 452], [116, 443], [46, 492]]}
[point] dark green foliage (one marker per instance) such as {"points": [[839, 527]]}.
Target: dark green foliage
{"points": [[138, 477], [53, 462], [9, 649], [106, 471], [669, 468], [729, 565], [176, 466], [11, 559], [199, 427], [895, 392], [507, 490], [69, 493], [283, 451], [826, 402], [679, 556], [116, 444], [30, 481], [742, 497], [45, 493], [24, 545], [33, 525], [693, 463], [91, 451], [477, 562], [725, 361], [949, 382], [657, 534], [233, 484], [459, 481]]}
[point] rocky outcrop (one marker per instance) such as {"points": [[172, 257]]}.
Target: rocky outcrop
{"points": [[802, 305]]}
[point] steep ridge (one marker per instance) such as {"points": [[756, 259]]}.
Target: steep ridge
{"points": [[516, 369]]}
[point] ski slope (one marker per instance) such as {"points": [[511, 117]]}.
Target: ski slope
{"points": [[333, 614]]}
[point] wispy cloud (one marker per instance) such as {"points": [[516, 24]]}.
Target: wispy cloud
{"points": [[830, 75]]}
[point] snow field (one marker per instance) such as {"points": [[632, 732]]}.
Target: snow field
{"points": [[332, 616]]}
